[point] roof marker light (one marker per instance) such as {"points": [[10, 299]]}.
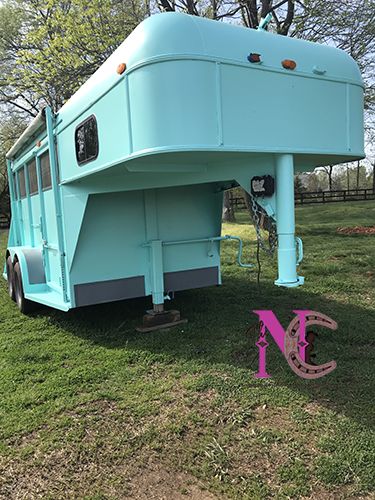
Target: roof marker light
{"points": [[319, 71], [289, 64], [121, 68], [254, 58]]}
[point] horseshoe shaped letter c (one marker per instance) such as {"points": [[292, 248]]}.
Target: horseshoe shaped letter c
{"points": [[291, 353]]}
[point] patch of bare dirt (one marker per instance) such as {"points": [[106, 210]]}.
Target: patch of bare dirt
{"points": [[59, 476], [313, 408], [357, 230], [158, 482], [102, 454]]}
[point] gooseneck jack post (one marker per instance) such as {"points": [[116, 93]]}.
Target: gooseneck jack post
{"points": [[286, 252]]}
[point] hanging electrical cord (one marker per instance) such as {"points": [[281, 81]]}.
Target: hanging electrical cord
{"points": [[262, 221], [250, 331], [259, 265]]}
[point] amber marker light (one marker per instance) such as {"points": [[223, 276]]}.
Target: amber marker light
{"points": [[253, 58], [121, 68], [289, 64]]}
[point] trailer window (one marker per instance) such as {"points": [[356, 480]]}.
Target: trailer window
{"points": [[86, 140], [45, 171], [14, 182], [57, 164], [33, 179], [21, 183]]}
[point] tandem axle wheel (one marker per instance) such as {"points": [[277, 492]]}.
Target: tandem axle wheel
{"points": [[15, 287]]}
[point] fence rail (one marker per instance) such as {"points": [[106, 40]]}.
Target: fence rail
{"points": [[237, 203], [334, 196], [4, 222], [306, 198], [309, 197]]}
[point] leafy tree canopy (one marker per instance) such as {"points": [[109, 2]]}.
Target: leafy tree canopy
{"points": [[48, 48], [52, 46]]}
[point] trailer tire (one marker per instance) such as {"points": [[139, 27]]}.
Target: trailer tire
{"points": [[10, 278], [24, 305]]}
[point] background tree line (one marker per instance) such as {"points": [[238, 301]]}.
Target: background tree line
{"points": [[48, 48], [347, 176]]}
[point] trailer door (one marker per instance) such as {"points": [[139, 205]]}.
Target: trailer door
{"points": [[48, 222]]}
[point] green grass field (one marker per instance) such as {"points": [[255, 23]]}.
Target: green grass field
{"points": [[91, 409]]}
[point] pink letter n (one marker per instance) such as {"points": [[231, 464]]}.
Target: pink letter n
{"points": [[268, 321]]}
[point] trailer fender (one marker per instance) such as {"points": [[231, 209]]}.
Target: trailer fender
{"points": [[32, 267]]}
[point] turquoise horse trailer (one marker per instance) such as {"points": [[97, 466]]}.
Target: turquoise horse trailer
{"points": [[119, 194]]}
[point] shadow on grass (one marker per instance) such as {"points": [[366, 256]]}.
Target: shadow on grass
{"points": [[217, 337]]}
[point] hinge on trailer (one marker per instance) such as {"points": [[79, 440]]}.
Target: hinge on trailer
{"points": [[63, 277]]}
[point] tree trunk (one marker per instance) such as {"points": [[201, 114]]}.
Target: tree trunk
{"points": [[228, 212], [329, 171], [330, 174], [358, 166]]}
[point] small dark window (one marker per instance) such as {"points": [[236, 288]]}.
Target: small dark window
{"points": [[21, 182], [57, 164], [14, 182], [86, 139], [45, 171], [33, 179]]}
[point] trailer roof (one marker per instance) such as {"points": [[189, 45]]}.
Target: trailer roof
{"points": [[177, 35]]}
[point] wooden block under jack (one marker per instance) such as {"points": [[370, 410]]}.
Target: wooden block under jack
{"points": [[156, 320]]}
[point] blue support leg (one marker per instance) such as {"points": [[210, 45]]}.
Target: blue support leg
{"points": [[157, 275], [286, 253], [157, 318]]}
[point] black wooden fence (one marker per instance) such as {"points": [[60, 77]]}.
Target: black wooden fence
{"points": [[4, 210], [334, 196], [306, 198], [237, 202], [4, 221], [309, 197]]}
